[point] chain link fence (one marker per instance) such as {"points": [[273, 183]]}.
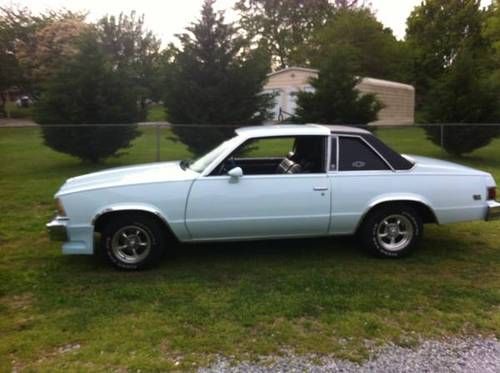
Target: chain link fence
{"points": [[157, 142]]}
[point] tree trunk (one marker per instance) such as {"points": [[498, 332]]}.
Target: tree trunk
{"points": [[3, 100]]}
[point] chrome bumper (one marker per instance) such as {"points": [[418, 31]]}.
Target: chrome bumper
{"points": [[493, 211], [57, 229]]}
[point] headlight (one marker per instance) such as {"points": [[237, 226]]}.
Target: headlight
{"points": [[60, 208]]}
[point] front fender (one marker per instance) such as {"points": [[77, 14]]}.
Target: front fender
{"points": [[145, 207], [176, 226]]}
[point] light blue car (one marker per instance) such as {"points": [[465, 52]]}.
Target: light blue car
{"points": [[271, 182]]}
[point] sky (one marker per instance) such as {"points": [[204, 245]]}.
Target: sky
{"points": [[168, 17]]}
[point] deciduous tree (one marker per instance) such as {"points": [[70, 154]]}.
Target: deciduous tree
{"points": [[30, 48], [135, 50], [10, 72], [52, 45], [491, 32], [437, 30], [283, 26], [377, 52], [451, 70], [464, 93]]}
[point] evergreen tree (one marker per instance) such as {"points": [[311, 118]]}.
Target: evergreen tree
{"points": [[214, 79], [87, 90], [335, 99]]}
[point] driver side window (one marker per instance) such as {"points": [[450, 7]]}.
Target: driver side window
{"points": [[269, 147], [277, 155]]}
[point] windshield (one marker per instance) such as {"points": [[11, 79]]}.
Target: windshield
{"points": [[201, 163]]}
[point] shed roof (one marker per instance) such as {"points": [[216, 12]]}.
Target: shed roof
{"points": [[387, 83], [293, 68], [365, 80]]}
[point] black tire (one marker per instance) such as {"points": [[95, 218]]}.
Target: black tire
{"points": [[130, 232], [399, 222]]}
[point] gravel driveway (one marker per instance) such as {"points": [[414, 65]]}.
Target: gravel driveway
{"points": [[451, 355]]}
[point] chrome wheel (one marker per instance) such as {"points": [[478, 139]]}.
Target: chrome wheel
{"points": [[395, 232], [131, 244]]}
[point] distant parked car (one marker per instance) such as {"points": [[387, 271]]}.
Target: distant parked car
{"points": [[271, 182], [23, 102]]}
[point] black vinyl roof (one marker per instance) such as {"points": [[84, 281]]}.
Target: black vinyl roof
{"points": [[397, 161]]}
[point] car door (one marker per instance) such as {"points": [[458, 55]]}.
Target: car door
{"points": [[259, 206]]}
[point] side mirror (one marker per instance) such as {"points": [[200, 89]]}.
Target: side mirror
{"points": [[235, 172]]}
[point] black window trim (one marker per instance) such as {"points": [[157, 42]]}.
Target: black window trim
{"points": [[337, 155], [368, 144]]}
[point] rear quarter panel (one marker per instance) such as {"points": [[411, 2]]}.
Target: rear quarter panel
{"points": [[449, 196]]}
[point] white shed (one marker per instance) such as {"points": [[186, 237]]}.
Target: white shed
{"points": [[398, 98]]}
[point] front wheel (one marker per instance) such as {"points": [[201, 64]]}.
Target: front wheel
{"points": [[132, 241], [391, 231]]}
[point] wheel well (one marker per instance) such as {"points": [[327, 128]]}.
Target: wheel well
{"points": [[103, 219], [422, 209]]}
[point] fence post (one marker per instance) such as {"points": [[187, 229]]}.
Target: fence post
{"points": [[158, 134], [441, 127]]}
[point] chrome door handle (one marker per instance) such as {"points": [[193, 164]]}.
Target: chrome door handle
{"points": [[320, 189]]}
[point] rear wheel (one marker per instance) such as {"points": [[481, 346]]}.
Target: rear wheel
{"points": [[132, 241], [391, 231]]}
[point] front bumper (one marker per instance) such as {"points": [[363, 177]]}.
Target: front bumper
{"points": [[493, 211], [57, 229]]}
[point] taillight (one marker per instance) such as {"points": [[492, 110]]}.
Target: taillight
{"points": [[492, 193]]}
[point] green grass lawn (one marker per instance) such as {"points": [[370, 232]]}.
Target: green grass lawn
{"points": [[18, 112], [156, 113], [237, 299]]}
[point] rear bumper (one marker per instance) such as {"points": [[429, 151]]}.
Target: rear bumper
{"points": [[493, 212], [57, 229]]}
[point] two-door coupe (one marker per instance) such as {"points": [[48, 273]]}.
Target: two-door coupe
{"points": [[277, 181]]}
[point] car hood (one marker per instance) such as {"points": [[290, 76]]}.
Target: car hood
{"points": [[124, 176], [432, 165]]}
